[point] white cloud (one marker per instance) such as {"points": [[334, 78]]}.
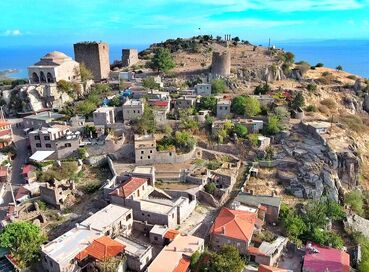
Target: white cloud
{"points": [[12, 32]]}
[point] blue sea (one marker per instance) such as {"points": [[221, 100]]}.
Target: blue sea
{"points": [[353, 55]]}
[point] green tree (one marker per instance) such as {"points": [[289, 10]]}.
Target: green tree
{"points": [[339, 68], [319, 64], [252, 106], [262, 89], [86, 107], [210, 188], [146, 123], [228, 125], [208, 103], [298, 101], [150, 83], [162, 61], [228, 259], [196, 256], [115, 102], [23, 240], [184, 140], [311, 87], [218, 86], [289, 57], [253, 139], [356, 201], [327, 238], [240, 130], [274, 125], [238, 105], [85, 73]]}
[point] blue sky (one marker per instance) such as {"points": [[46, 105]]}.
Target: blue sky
{"points": [[40, 22]]}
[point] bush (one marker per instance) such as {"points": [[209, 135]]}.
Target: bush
{"points": [[274, 125], [298, 101], [218, 86], [208, 103], [339, 68], [319, 64], [252, 106], [262, 89], [353, 122], [330, 103], [303, 67], [85, 73], [91, 188], [311, 108], [311, 87], [214, 165], [210, 188], [150, 83], [356, 201], [240, 130]]}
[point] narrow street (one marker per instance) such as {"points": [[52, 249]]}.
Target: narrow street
{"points": [[15, 178]]}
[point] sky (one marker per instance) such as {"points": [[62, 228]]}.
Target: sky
{"points": [[45, 22]]}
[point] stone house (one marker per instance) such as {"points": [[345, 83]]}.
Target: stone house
{"points": [[202, 115], [268, 253], [41, 119], [58, 139], [263, 142], [264, 100], [271, 202], [157, 234], [132, 109], [233, 227], [56, 192], [60, 254], [203, 89], [52, 67], [152, 205], [317, 128], [160, 108], [104, 116], [138, 254], [77, 121], [223, 108], [185, 102]]}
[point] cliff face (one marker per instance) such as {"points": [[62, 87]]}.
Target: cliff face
{"points": [[269, 74]]}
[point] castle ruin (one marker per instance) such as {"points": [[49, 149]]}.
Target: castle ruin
{"points": [[129, 57], [95, 55], [221, 64]]}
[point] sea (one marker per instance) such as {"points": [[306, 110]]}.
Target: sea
{"points": [[353, 55]]}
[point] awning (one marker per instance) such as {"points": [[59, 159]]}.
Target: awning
{"points": [[41, 155]]}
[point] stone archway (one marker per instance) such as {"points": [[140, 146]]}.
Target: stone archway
{"points": [[42, 77], [50, 78], [35, 78]]}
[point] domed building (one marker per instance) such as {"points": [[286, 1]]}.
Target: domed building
{"points": [[53, 67]]}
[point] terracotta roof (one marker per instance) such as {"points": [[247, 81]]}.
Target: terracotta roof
{"points": [[159, 103], [128, 187], [234, 224], [3, 171], [263, 208], [101, 249], [21, 193], [255, 251], [183, 265], [265, 268], [325, 259], [171, 234], [4, 123]]}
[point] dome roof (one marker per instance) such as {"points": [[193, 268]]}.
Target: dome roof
{"points": [[56, 55]]}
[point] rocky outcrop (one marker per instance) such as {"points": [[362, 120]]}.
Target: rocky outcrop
{"points": [[348, 168], [269, 74], [366, 103], [357, 223]]}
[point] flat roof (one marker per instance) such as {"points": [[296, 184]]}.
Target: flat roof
{"points": [[159, 229], [256, 200], [104, 109], [318, 125], [41, 155], [143, 170], [46, 115], [105, 217], [270, 248], [133, 102], [64, 248], [170, 256], [132, 247], [155, 206]]}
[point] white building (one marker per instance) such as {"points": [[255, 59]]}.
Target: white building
{"points": [[223, 108], [203, 89], [59, 255], [53, 67]]}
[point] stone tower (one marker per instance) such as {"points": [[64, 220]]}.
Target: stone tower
{"points": [[129, 57], [95, 55], [221, 64]]}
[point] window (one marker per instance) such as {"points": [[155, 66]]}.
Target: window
{"points": [[47, 138], [128, 217], [141, 157], [37, 137], [48, 145], [142, 152], [220, 107], [138, 111], [225, 108], [67, 144], [134, 111], [155, 238], [38, 145], [150, 151], [148, 157]]}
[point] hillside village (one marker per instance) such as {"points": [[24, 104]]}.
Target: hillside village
{"points": [[200, 154]]}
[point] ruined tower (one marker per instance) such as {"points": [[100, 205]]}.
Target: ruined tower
{"points": [[221, 64], [95, 55], [129, 57]]}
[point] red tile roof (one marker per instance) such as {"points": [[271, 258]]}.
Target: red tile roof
{"points": [[183, 265], [101, 249], [234, 224], [129, 186], [326, 259], [171, 234], [265, 268], [21, 193], [159, 103]]}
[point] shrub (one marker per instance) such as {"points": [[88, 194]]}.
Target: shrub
{"points": [[210, 188], [330, 103], [214, 165], [240, 130], [353, 122], [218, 86], [311, 108], [323, 109], [274, 125], [356, 201], [91, 188], [339, 68], [150, 83], [298, 101], [303, 67], [319, 64], [262, 89], [311, 87]]}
